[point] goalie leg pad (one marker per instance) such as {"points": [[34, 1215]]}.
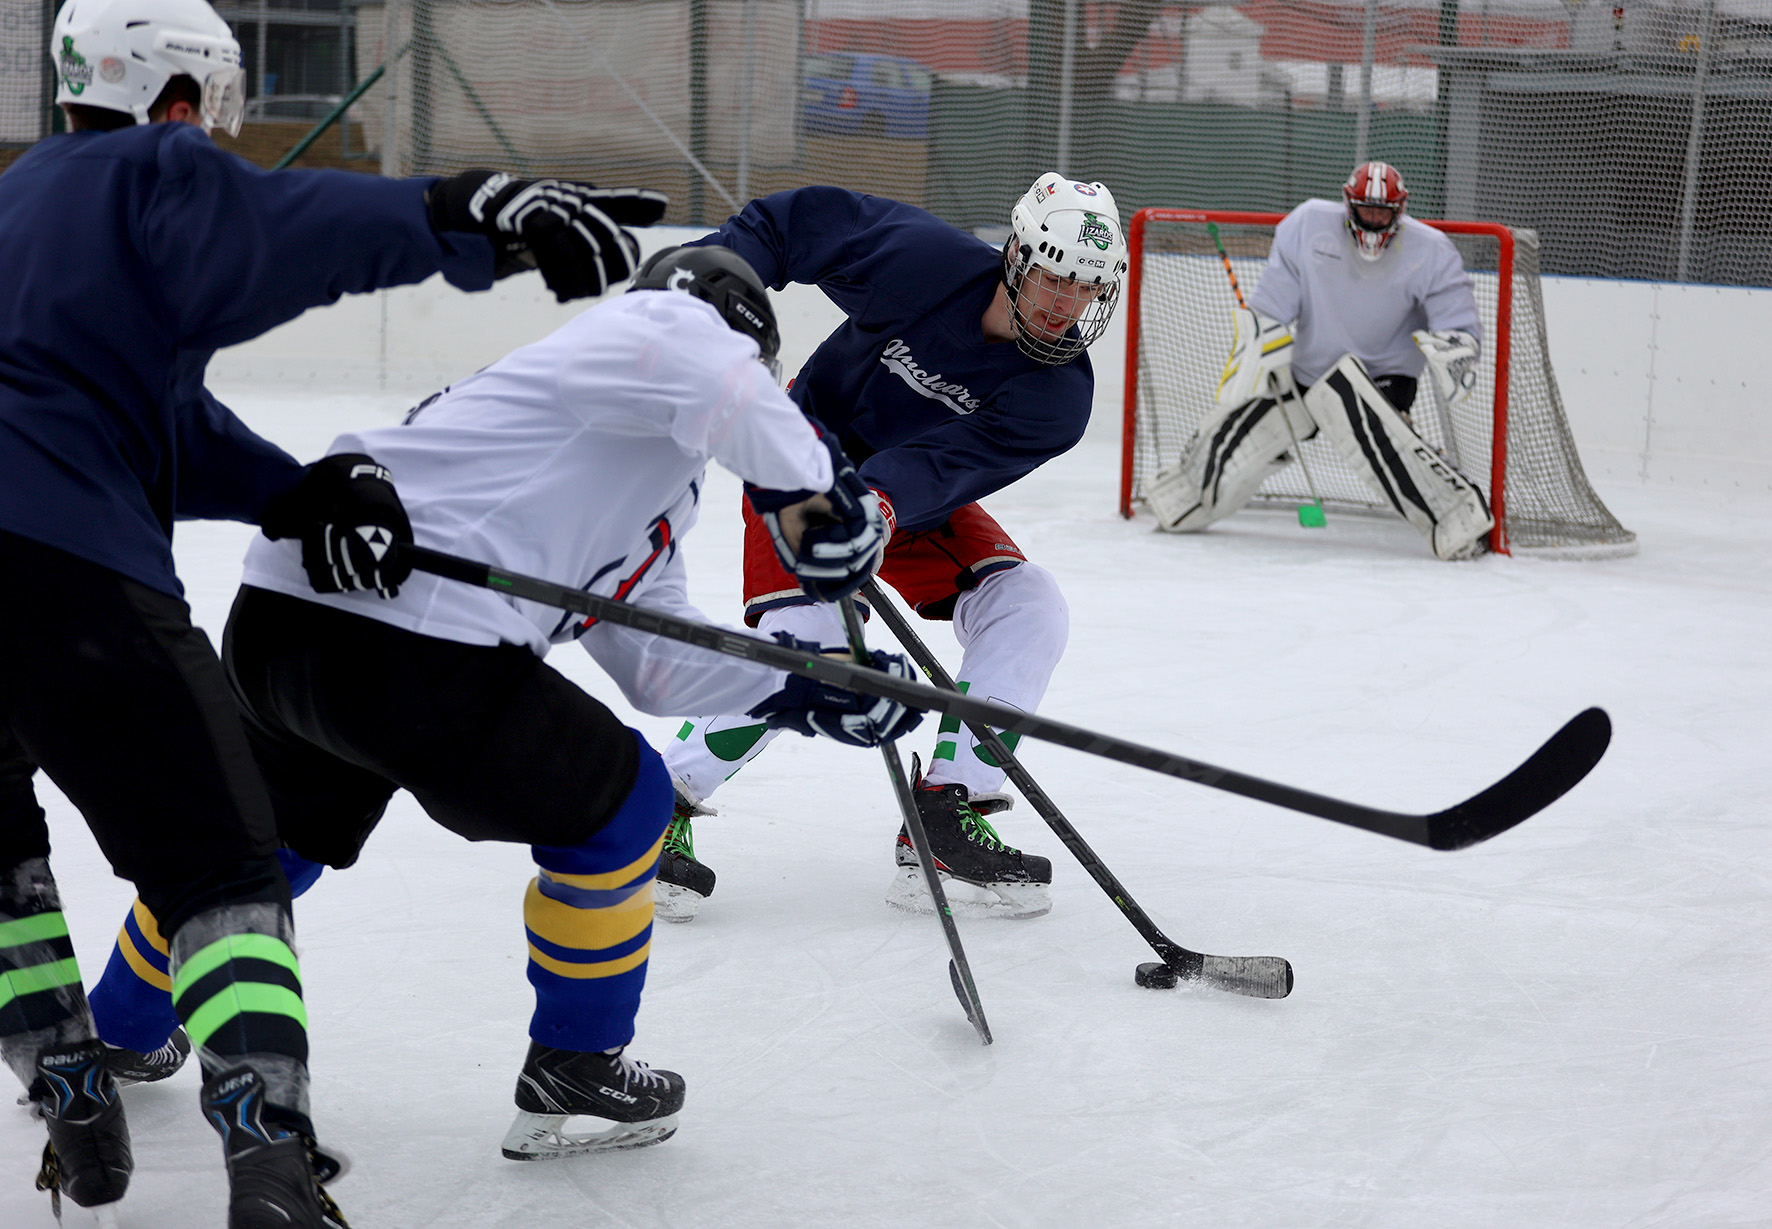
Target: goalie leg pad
{"points": [[1230, 456], [1380, 446]]}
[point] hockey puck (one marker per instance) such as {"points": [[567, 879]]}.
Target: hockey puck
{"points": [[1156, 975]]}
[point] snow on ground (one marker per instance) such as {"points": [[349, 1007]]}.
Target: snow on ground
{"points": [[1563, 1027]]}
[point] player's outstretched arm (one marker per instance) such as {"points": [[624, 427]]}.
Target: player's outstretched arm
{"points": [[572, 232]]}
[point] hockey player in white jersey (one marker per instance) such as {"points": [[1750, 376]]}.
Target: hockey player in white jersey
{"points": [[579, 457], [1355, 301]]}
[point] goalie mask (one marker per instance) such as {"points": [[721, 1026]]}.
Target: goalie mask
{"points": [[1062, 266], [725, 279], [119, 55], [1375, 196]]}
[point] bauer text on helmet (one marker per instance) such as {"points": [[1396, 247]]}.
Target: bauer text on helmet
{"points": [[1062, 265], [119, 55], [1375, 197]]}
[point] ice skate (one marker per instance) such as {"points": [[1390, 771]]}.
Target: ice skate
{"points": [[87, 1157], [133, 1067], [274, 1174], [981, 875], [683, 883], [627, 1104]]}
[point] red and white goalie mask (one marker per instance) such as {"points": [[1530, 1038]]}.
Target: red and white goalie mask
{"points": [[1375, 195]]}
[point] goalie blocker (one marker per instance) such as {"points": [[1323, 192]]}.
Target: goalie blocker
{"points": [[1238, 447]]}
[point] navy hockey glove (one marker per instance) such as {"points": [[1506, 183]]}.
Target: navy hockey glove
{"points": [[839, 549], [349, 518], [572, 232], [812, 707]]}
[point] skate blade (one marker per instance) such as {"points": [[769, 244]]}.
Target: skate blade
{"points": [[543, 1137], [671, 903], [966, 899]]}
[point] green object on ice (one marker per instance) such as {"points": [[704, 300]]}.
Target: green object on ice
{"points": [[1311, 516]]}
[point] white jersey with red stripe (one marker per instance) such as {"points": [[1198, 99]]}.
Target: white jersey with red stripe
{"points": [[1340, 304], [580, 459]]}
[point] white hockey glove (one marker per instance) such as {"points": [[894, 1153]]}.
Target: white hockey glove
{"points": [[1261, 358], [1452, 361], [811, 707]]}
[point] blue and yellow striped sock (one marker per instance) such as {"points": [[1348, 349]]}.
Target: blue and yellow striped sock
{"points": [[589, 919]]}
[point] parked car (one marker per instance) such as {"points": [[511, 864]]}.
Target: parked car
{"points": [[869, 95]]}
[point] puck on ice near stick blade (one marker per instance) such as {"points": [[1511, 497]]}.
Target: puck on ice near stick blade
{"points": [[1156, 975]]}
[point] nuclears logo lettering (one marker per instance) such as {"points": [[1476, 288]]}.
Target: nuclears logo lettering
{"points": [[897, 359], [76, 72], [1095, 231]]}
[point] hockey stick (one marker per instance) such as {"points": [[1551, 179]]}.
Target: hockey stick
{"points": [[959, 971], [1311, 518], [1548, 774], [1262, 977]]}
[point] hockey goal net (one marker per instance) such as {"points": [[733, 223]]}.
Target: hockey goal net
{"points": [[1510, 437]]}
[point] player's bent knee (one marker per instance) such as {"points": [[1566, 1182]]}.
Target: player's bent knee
{"points": [[628, 836], [1023, 601]]}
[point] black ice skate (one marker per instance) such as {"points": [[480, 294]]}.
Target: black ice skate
{"points": [[634, 1104], [133, 1067], [1004, 882], [683, 883], [87, 1157], [274, 1173]]}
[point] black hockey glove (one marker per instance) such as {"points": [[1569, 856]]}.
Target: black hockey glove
{"points": [[349, 518], [812, 707], [839, 549], [572, 232]]}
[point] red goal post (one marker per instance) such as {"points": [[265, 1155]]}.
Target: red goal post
{"points": [[1511, 437]]}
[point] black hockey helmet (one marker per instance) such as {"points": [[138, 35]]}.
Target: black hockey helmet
{"points": [[722, 277]]}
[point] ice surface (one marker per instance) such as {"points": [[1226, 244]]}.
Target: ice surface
{"points": [[1567, 1026]]}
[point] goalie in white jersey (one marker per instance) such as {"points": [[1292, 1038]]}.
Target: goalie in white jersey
{"points": [[1355, 301], [579, 457]]}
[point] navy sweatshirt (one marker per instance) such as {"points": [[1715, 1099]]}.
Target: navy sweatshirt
{"points": [[127, 259]]}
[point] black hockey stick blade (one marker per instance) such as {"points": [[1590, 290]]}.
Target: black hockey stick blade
{"points": [[1552, 771], [1544, 778]]}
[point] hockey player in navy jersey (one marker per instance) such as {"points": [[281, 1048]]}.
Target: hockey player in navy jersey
{"points": [[133, 248], [960, 369], [579, 457], [1356, 301]]}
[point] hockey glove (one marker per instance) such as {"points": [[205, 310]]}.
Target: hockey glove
{"points": [[572, 232], [812, 707], [839, 547], [349, 518], [1452, 361]]}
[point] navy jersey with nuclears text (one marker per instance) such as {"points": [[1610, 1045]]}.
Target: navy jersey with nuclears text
{"points": [[935, 415], [129, 258]]}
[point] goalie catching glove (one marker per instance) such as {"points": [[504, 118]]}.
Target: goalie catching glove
{"points": [[349, 519], [812, 707], [1452, 361], [1261, 358], [572, 232], [831, 543]]}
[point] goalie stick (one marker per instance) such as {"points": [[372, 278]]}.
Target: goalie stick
{"points": [[959, 970], [1310, 518], [1548, 773], [1261, 977]]}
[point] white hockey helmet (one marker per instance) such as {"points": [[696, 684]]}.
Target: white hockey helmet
{"points": [[1070, 230], [119, 55]]}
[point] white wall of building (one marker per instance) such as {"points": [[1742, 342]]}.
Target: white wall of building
{"points": [[1662, 383]]}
